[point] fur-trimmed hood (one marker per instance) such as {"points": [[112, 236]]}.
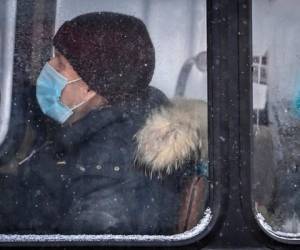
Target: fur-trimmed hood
{"points": [[172, 135]]}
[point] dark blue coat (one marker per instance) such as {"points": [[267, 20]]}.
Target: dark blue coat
{"points": [[86, 180]]}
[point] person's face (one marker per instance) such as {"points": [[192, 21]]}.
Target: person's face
{"points": [[73, 93]]}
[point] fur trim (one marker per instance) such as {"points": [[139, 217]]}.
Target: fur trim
{"points": [[172, 135]]}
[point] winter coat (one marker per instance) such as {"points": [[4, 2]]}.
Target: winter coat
{"points": [[119, 170]]}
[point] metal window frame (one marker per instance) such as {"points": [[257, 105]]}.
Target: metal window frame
{"points": [[231, 76]]}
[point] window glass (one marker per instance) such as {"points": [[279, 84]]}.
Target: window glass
{"points": [[276, 98], [115, 122]]}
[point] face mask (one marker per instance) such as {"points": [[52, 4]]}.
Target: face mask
{"points": [[49, 87]]}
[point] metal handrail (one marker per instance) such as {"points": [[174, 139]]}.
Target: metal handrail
{"points": [[7, 57]]}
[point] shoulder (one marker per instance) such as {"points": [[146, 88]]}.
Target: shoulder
{"points": [[173, 134], [157, 97]]}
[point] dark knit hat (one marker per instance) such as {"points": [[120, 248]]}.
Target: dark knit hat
{"points": [[112, 52]]}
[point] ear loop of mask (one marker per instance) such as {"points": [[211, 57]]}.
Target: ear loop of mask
{"points": [[75, 80], [78, 105], [81, 103]]}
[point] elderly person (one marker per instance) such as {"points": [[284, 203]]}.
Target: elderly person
{"points": [[115, 164]]}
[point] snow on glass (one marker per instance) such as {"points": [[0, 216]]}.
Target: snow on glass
{"points": [[276, 233], [200, 227]]}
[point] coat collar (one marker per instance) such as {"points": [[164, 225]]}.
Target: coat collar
{"points": [[172, 136], [70, 136]]}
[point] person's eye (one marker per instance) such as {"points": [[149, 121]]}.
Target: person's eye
{"points": [[61, 65]]}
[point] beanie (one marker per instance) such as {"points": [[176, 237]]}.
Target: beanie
{"points": [[112, 52]]}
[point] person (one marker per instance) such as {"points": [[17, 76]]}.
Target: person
{"points": [[116, 163]]}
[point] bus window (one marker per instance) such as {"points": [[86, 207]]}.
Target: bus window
{"points": [[111, 146], [276, 98]]}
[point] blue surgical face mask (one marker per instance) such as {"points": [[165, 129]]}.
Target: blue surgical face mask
{"points": [[49, 87]]}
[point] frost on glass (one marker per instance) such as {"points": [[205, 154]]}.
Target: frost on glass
{"points": [[48, 189], [193, 232], [276, 117]]}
